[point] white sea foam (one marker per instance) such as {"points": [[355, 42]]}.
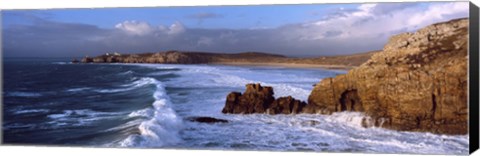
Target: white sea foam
{"points": [[28, 111], [23, 94], [339, 132], [61, 63], [77, 89], [161, 129], [353, 119], [147, 113], [127, 87], [79, 117], [126, 73]]}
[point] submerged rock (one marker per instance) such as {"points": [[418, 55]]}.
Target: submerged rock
{"points": [[207, 120]]}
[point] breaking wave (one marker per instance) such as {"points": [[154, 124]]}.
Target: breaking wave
{"points": [[162, 125]]}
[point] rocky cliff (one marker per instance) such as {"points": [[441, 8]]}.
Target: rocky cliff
{"points": [[418, 82]]}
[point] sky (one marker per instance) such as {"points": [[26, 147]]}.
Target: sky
{"points": [[292, 30]]}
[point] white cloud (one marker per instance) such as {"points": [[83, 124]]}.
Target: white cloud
{"points": [[143, 28], [438, 12], [176, 28], [374, 20], [135, 27]]}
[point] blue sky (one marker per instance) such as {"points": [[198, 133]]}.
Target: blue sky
{"points": [[293, 30], [211, 17]]}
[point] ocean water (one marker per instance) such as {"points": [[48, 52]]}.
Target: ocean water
{"points": [[53, 102]]}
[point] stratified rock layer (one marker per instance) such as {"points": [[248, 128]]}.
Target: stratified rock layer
{"points": [[418, 82]]}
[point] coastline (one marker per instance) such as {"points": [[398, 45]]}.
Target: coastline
{"points": [[288, 65]]}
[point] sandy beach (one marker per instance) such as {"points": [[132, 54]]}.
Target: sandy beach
{"points": [[289, 65]]}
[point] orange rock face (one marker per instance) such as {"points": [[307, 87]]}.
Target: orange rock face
{"points": [[418, 83]]}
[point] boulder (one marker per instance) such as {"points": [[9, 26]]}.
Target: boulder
{"points": [[206, 120], [286, 105], [417, 83], [255, 99], [259, 99]]}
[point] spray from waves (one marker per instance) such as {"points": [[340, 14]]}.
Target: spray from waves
{"points": [[205, 76], [163, 126], [353, 119], [128, 87]]}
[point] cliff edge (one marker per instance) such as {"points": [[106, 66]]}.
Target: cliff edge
{"points": [[418, 83]]}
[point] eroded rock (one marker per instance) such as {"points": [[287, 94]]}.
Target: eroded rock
{"points": [[418, 83], [259, 99], [286, 105], [255, 99]]}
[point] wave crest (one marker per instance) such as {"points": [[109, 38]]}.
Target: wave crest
{"points": [[162, 128]]}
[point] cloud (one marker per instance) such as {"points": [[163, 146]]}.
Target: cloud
{"points": [[203, 16], [135, 27], [143, 28], [364, 28], [373, 20], [176, 28]]}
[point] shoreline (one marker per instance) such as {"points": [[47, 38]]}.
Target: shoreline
{"points": [[289, 65]]}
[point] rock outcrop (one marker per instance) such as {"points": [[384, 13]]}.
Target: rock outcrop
{"points": [[209, 120], [255, 99], [259, 99], [286, 105], [418, 82]]}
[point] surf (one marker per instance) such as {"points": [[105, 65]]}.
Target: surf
{"points": [[161, 126]]}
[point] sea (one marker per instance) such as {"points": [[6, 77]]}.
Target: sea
{"points": [[56, 103]]}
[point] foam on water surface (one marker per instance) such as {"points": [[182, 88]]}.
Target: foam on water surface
{"points": [[161, 126], [145, 105], [338, 132]]}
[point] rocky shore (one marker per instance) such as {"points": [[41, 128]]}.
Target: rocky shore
{"points": [[417, 83]]}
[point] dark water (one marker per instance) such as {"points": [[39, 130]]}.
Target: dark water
{"points": [[51, 102], [56, 103]]}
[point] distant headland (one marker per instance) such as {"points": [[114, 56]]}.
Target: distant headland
{"points": [[245, 58]]}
